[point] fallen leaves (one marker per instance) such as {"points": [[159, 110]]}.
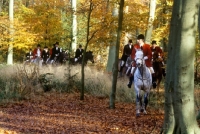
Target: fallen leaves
{"points": [[58, 113]]}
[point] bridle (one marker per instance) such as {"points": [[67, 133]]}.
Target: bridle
{"points": [[141, 69]]}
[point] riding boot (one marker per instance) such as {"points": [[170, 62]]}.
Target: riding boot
{"points": [[154, 81]]}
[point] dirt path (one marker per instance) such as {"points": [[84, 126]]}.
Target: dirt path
{"points": [[56, 113]]}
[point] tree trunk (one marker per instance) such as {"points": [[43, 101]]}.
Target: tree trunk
{"points": [[197, 65], [27, 3], [150, 22], [115, 71], [199, 24], [10, 48], [85, 49], [1, 5], [112, 48], [74, 26], [164, 22], [179, 84]]}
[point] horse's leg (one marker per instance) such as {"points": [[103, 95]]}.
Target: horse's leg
{"points": [[146, 100], [154, 80], [124, 70], [138, 101], [121, 70], [121, 65], [138, 104], [159, 81], [158, 86]]}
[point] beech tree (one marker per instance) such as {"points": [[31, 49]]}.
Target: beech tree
{"points": [[115, 70], [1, 4], [152, 8], [11, 17], [88, 38], [180, 115], [74, 25], [112, 47], [90, 10]]}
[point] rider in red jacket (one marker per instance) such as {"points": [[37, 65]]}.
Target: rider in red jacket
{"points": [[147, 56], [158, 50]]}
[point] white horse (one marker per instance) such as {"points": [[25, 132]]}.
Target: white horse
{"points": [[142, 83]]}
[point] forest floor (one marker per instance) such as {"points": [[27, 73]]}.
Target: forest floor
{"points": [[65, 113]]}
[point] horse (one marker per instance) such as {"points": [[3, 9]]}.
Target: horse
{"points": [[123, 71], [142, 83], [158, 69], [126, 67], [64, 56], [88, 57], [55, 61]]}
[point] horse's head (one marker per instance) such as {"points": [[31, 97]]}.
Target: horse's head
{"points": [[89, 56], [156, 57], [139, 58]]}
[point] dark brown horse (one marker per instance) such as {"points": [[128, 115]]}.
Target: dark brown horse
{"points": [[88, 57], [158, 68]]}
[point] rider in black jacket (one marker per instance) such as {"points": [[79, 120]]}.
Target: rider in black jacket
{"points": [[126, 53], [79, 54]]}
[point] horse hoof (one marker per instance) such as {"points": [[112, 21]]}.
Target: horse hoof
{"points": [[138, 114], [145, 112], [129, 85], [154, 84]]}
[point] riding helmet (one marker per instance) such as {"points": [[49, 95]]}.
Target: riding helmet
{"points": [[141, 36]]}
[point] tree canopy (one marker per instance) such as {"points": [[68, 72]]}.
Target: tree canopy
{"points": [[40, 22]]}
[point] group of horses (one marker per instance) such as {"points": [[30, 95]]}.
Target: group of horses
{"points": [[143, 80], [62, 59]]}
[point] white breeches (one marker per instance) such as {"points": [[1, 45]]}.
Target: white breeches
{"points": [[151, 70], [122, 63]]}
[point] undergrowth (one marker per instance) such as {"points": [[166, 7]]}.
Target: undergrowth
{"points": [[19, 82]]}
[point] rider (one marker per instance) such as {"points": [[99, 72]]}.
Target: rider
{"points": [[147, 57], [79, 54], [55, 52], [157, 49], [45, 55], [29, 56], [37, 55], [126, 53]]}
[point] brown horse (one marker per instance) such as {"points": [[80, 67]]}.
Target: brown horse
{"points": [[158, 68]]}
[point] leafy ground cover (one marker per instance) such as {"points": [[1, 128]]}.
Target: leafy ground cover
{"points": [[60, 113]]}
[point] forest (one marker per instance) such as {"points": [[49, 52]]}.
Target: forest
{"points": [[93, 97]]}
